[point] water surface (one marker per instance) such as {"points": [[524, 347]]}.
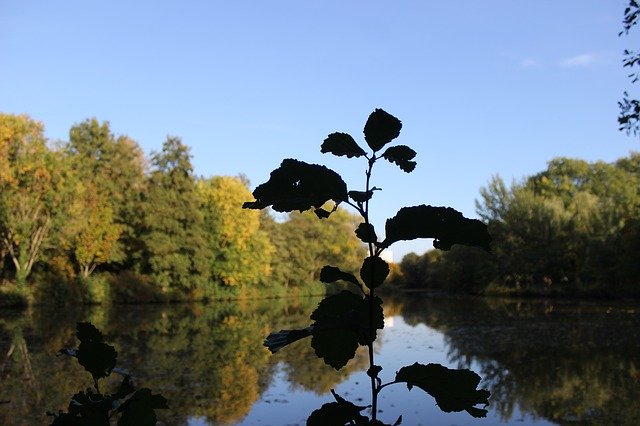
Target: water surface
{"points": [[545, 362]]}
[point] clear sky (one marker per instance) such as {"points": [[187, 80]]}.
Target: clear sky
{"points": [[482, 87]]}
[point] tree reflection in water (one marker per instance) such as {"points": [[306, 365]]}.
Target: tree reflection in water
{"points": [[561, 361], [566, 362]]}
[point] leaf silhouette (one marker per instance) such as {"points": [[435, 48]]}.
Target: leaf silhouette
{"points": [[454, 390], [296, 185], [446, 225], [366, 233], [138, 410], [401, 155], [374, 271], [340, 413], [341, 323], [380, 129], [341, 144], [97, 357], [331, 274]]}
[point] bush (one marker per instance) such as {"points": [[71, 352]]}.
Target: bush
{"points": [[96, 289], [130, 287]]}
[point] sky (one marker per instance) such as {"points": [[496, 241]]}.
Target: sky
{"points": [[481, 87]]}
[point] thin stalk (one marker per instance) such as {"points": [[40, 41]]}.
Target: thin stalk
{"points": [[374, 393]]}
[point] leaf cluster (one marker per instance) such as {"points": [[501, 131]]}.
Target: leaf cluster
{"points": [[90, 407], [349, 319]]}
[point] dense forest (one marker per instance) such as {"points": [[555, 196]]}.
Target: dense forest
{"points": [[572, 229], [94, 220]]}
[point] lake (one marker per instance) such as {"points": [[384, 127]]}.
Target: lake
{"points": [[545, 362]]}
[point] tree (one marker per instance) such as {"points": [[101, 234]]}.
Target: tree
{"points": [[32, 193], [629, 118], [240, 250], [94, 237], [173, 250], [307, 244], [115, 168]]}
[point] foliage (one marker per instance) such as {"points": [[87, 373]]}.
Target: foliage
{"points": [[347, 320], [240, 250], [566, 230], [135, 407], [173, 245], [32, 195], [113, 169], [629, 118]]}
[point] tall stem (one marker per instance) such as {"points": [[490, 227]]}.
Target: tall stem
{"points": [[374, 393]]}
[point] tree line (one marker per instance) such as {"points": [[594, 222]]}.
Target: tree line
{"points": [[573, 228], [94, 218]]}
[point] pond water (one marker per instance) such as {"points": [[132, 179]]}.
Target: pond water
{"points": [[545, 362]]}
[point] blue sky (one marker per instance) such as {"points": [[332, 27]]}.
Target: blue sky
{"points": [[482, 87]]}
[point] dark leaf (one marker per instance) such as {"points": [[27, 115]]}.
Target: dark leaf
{"points": [[401, 155], [380, 129], [138, 410], [337, 413], [374, 271], [366, 233], [322, 213], [97, 358], [276, 341], [341, 323], [360, 196], [126, 387], [87, 332], [331, 274], [454, 390], [446, 225], [91, 408], [335, 346], [296, 185], [341, 144]]}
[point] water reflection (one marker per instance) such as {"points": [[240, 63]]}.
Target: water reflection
{"points": [[559, 361]]}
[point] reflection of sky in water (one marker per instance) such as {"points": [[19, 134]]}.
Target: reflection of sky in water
{"points": [[399, 345]]}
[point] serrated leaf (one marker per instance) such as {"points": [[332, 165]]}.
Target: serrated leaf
{"points": [[138, 410], [331, 274], [374, 271], [380, 129], [335, 346], [98, 358], [402, 156], [296, 185], [341, 323], [340, 412], [341, 144], [366, 233], [446, 225], [454, 389], [87, 332]]}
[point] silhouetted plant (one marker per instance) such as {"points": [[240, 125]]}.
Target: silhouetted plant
{"points": [[93, 408], [346, 320]]}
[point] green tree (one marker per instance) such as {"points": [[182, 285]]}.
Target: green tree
{"points": [[94, 237], [174, 250], [560, 228], [240, 250], [115, 168], [32, 193], [308, 244]]}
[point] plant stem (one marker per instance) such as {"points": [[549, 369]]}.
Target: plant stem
{"points": [[374, 393]]}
